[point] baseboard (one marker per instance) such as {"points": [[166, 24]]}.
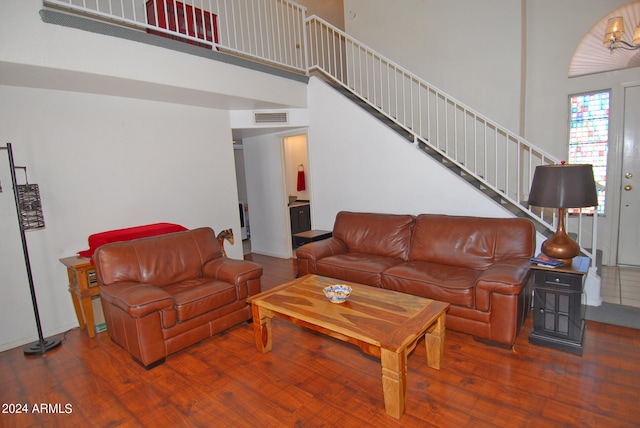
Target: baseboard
{"points": [[26, 340]]}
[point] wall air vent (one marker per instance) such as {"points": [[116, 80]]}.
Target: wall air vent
{"points": [[270, 117]]}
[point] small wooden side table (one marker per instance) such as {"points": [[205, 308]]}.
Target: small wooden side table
{"points": [[310, 236], [83, 286], [558, 312]]}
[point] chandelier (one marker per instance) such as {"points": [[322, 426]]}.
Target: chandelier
{"points": [[613, 35]]}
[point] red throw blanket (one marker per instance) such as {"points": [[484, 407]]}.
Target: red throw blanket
{"points": [[128, 234]]}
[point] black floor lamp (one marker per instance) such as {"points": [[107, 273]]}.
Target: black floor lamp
{"points": [[29, 210]]}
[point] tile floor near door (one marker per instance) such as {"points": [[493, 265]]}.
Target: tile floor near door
{"points": [[620, 285]]}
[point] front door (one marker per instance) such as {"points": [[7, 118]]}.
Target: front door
{"points": [[629, 234]]}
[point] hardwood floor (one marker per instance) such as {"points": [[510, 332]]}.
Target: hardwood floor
{"points": [[311, 380]]}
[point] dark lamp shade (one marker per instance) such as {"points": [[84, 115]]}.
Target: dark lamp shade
{"points": [[563, 186]]}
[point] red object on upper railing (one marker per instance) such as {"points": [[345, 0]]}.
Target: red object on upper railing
{"points": [[191, 21]]}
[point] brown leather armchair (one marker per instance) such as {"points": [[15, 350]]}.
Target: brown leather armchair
{"points": [[164, 293]]}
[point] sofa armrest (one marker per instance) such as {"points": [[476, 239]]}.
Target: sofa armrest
{"points": [[139, 300], [241, 273], [309, 254], [506, 277]]}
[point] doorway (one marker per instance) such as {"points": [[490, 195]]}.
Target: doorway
{"points": [[296, 167], [629, 228], [270, 174]]}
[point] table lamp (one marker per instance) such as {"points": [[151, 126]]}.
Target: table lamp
{"points": [[563, 186]]}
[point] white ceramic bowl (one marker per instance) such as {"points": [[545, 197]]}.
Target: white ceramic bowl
{"points": [[337, 293]]}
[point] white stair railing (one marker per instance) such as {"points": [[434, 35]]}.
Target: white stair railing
{"points": [[500, 159]]}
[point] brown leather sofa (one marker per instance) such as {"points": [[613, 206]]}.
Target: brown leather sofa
{"points": [[479, 265], [164, 293]]}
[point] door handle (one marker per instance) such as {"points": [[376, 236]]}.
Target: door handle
{"points": [[628, 187]]}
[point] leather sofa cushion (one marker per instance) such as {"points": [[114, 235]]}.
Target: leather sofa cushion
{"points": [[384, 235], [453, 284], [159, 260], [198, 296], [356, 267], [140, 300], [471, 242]]}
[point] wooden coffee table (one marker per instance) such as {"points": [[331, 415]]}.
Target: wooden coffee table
{"points": [[393, 324]]}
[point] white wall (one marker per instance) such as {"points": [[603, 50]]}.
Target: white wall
{"points": [[359, 164], [468, 49], [331, 11]]}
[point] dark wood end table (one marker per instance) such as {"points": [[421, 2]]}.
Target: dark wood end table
{"points": [[558, 312]]}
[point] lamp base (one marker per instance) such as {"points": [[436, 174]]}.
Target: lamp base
{"points": [[561, 246], [42, 346]]}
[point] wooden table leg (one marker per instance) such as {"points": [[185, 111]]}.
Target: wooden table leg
{"points": [[394, 381], [75, 298], [262, 328], [87, 309], [78, 308], [434, 340]]}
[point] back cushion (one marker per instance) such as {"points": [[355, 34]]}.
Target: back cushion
{"points": [[473, 242], [387, 235], [159, 260]]}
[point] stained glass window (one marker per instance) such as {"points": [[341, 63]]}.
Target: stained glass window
{"points": [[589, 138]]}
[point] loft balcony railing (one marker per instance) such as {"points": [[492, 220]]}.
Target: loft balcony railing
{"points": [[270, 31], [279, 33]]}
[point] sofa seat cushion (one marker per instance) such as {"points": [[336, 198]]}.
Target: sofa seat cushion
{"points": [[198, 296], [356, 267], [452, 284]]}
